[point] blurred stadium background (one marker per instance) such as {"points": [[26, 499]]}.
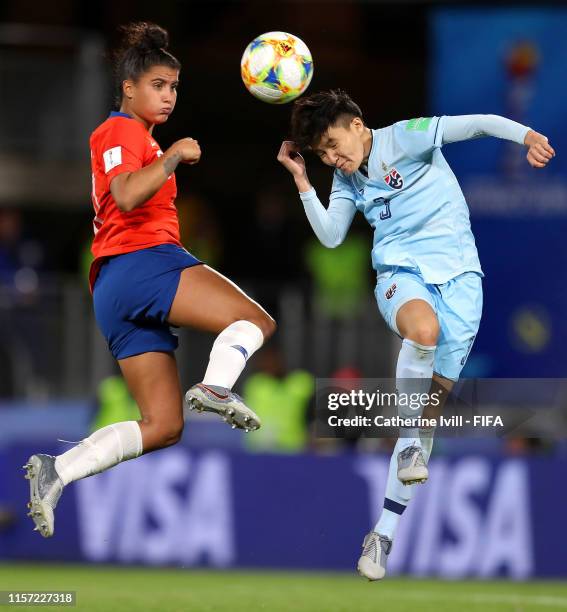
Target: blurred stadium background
{"points": [[280, 499]]}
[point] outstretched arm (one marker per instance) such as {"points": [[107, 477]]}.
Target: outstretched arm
{"points": [[465, 127], [329, 224]]}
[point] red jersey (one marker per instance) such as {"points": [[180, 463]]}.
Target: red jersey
{"points": [[122, 144]]}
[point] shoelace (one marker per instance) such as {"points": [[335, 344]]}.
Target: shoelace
{"points": [[371, 547], [410, 451]]}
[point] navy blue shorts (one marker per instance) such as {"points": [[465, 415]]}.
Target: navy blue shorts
{"points": [[133, 295]]}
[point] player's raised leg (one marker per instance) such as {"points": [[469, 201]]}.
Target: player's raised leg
{"points": [[208, 301], [417, 323], [154, 383]]}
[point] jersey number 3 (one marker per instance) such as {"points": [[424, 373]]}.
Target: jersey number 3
{"points": [[386, 213]]}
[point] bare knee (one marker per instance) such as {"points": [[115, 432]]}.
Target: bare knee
{"points": [[267, 325], [261, 319], [162, 435], [426, 334], [172, 433]]}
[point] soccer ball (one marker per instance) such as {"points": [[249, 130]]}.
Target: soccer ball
{"points": [[276, 67]]}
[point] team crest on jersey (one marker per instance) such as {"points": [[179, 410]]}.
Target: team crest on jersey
{"points": [[394, 179], [390, 291]]}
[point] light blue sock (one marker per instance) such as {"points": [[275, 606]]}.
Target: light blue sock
{"points": [[396, 498], [389, 519], [414, 371], [398, 495]]}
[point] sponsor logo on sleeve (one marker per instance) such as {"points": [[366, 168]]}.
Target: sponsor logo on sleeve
{"points": [[420, 124], [390, 291]]}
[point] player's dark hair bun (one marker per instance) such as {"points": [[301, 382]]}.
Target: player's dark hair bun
{"points": [[146, 36]]}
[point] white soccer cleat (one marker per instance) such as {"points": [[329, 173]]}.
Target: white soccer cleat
{"points": [[375, 551], [45, 490], [225, 403], [411, 466]]}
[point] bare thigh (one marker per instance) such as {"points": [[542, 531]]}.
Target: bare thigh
{"points": [[153, 381], [208, 301]]}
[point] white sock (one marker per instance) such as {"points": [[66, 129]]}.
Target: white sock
{"points": [[414, 371], [101, 450], [230, 352], [426, 436]]}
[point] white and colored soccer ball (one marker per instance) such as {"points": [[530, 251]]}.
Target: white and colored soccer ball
{"points": [[276, 67]]}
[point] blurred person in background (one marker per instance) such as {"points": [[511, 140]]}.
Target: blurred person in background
{"points": [[115, 403], [199, 229], [344, 379], [276, 246], [281, 400], [429, 288], [10, 242], [340, 276], [145, 283], [20, 258], [21, 261]]}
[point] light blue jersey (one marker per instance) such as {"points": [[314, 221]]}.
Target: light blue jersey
{"points": [[411, 198], [423, 245], [414, 203]]}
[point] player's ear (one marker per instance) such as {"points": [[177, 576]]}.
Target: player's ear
{"points": [[357, 124], [128, 88]]}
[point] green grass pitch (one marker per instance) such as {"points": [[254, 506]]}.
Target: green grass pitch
{"points": [[104, 588]]}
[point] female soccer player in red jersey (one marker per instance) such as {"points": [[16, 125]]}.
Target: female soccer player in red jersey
{"points": [[143, 281]]}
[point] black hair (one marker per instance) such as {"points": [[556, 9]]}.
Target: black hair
{"points": [[312, 116], [144, 45]]}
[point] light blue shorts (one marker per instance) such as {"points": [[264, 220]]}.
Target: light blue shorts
{"points": [[457, 304]]}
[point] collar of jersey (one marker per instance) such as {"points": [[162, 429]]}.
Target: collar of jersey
{"points": [[119, 114], [361, 177]]}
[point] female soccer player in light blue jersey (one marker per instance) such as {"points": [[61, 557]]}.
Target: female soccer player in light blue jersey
{"points": [[429, 287]]}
